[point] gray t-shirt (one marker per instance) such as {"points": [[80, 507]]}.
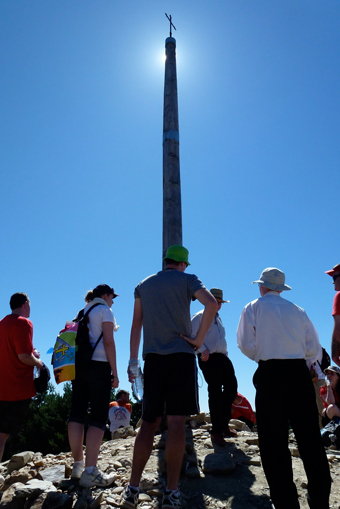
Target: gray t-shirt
{"points": [[165, 299]]}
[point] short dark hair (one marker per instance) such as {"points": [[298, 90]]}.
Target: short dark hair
{"points": [[17, 300], [121, 392], [168, 261]]}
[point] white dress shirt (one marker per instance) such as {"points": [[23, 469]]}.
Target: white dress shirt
{"points": [[274, 328], [214, 340]]}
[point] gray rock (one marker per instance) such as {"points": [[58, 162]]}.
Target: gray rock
{"points": [[208, 444], [96, 503], [252, 441], [118, 490], [128, 431], [22, 477], [239, 425], [218, 464], [19, 460], [32, 489], [83, 498], [111, 501], [294, 451], [10, 500], [200, 418], [192, 472], [53, 474], [38, 460], [52, 500], [256, 461], [143, 497], [155, 493]]}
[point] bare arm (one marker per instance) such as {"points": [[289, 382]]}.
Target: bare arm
{"points": [[330, 399], [336, 340], [110, 350], [210, 310], [136, 329], [30, 360]]}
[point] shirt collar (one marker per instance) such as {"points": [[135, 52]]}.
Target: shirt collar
{"points": [[272, 292]]}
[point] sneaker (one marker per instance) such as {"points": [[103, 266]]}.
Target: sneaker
{"points": [[77, 470], [130, 498], [97, 478], [171, 499]]}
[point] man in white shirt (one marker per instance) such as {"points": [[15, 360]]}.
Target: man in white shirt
{"points": [[218, 372], [281, 338]]}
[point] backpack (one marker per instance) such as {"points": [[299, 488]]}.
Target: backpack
{"points": [[42, 379], [325, 361], [73, 351]]}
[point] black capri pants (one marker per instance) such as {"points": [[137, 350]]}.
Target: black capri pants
{"points": [[92, 390]]}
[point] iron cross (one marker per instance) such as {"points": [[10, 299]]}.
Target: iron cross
{"points": [[171, 23]]}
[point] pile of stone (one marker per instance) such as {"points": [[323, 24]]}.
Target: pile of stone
{"points": [[211, 477]]}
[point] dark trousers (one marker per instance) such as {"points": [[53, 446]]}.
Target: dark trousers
{"points": [[285, 394], [219, 374]]}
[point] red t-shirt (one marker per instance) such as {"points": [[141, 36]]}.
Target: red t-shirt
{"points": [[242, 409], [336, 304], [323, 392], [16, 379]]}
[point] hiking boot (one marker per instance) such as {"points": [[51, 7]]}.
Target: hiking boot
{"points": [[171, 499], [130, 498], [77, 471], [97, 478], [218, 439]]}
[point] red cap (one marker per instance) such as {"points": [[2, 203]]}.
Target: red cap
{"points": [[334, 269]]}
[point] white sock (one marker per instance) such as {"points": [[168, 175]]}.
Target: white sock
{"points": [[175, 492], [79, 463], [89, 470]]}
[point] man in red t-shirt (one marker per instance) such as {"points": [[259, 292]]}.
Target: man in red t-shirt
{"points": [[241, 409], [335, 274], [17, 361]]}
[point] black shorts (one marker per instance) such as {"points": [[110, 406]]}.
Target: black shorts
{"points": [[170, 385], [92, 391], [12, 415]]}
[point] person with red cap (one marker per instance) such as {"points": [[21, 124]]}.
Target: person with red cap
{"points": [[335, 274]]}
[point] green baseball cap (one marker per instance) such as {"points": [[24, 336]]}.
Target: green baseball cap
{"points": [[177, 253]]}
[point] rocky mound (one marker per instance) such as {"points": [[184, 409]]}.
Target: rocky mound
{"points": [[212, 476]]}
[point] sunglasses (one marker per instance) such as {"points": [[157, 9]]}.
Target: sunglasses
{"points": [[335, 277]]}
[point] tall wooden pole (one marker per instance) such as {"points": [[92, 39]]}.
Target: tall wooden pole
{"points": [[172, 208]]}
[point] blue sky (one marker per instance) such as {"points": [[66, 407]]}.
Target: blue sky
{"points": [[81, 110]]}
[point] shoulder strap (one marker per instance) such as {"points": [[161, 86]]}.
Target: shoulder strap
{"points": [[87, 312], [81, 313], [100, 337], [90, 309]]}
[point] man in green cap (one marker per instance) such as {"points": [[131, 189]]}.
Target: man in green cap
{"points": [[162, 309]]}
